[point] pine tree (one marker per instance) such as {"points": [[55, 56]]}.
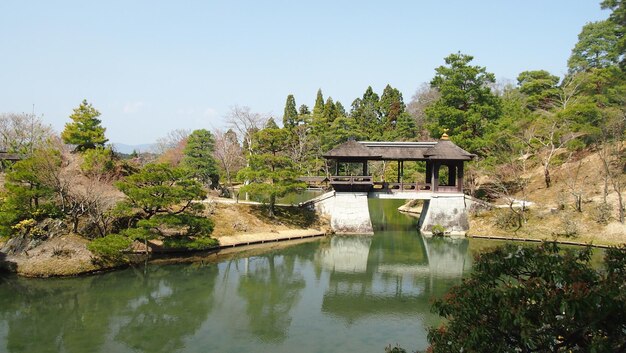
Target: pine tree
{"points": [[341, 111], [318, 108], [290, 115], [271, 172], [304, 110], [467, 107], [198, 157], [85, 131], [365, 112], [391, 106], [330, 111]]}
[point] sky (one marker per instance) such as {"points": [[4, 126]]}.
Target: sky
{"points": [[154, 66]]}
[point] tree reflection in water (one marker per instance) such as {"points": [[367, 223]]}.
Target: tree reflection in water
{"points": [[270, 288], [153, 314], [171, 306]]}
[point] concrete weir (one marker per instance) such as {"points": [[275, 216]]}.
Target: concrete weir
{"points": [[348, 212], [446, 210]]}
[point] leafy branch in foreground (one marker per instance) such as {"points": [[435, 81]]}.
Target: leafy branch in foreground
{"points": [[536, 299]]}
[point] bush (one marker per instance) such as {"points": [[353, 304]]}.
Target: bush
{"points": [[186, 243], [98, 161], [505, 219], [602, 213], [110, 247], [438, 230], [535, 299]]}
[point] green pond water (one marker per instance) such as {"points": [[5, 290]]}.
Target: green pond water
{"points": [[339, 294]]}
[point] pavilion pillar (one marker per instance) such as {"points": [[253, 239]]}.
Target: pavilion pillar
{"points": [[401, 175], [337, 168], [365, 168], [435, 180], [452, 173], [429, 173], [459, 177]]}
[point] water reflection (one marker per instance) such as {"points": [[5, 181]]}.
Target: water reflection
{"points": [[448, 257], [307, 298], [150, 312], [394, 273], [270, 288], [166, 308]]}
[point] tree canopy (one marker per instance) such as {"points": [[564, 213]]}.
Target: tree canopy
{"points": [[271, 173], [198, 157], [85, 130], [535, 299], [467, 107]]}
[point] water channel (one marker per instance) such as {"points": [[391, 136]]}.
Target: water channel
{"points": [[345, 293]]}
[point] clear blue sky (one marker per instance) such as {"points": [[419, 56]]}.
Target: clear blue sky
{"points": [[154, 66]]}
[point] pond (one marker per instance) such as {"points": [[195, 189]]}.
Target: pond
{"points": [[345, 293]]}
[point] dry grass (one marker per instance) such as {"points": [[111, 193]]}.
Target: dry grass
{"points": [[232, 219], [553, 210], [62, 256]]}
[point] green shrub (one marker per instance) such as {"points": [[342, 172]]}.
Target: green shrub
{"points": [[98, 161], [186, 243], [535, 299], [438, 230], [110, 247]]}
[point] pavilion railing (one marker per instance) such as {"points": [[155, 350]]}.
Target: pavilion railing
{"points": [[352, 180]]}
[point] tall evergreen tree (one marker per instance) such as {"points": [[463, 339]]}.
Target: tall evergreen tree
{"points": [[391, 106], [365, 112], [290, 115], [330, 111], [618, 17], [597, 47], [198, 157], [341, 111], [318, 108], [85, 130], [467, 107]]}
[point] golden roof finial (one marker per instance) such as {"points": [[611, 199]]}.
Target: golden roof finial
{"points": [[445, 134]]}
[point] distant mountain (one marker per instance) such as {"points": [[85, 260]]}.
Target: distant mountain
{"points": [[128, 149]]}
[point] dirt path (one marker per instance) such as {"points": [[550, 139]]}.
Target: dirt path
{"points": [[264, 237]]}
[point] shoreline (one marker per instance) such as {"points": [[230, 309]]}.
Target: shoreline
{"points": [[23, 266], [537, 240]]}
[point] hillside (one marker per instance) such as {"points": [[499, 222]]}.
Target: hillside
{"points": [[552, 211]]}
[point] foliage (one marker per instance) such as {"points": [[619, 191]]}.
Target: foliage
{"points": [[159, 188], [110, 247], [540, 87], [270, 172], [438, 230], [618, 17], [85, 130], [290, 115], [535, 299], [30, 189], [198, 157], [596, 47], [98, 161], [201, 243], [164, 197], [467, 106]]}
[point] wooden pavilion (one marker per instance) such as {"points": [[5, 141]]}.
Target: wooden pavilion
{"points": [[351, 165]]}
